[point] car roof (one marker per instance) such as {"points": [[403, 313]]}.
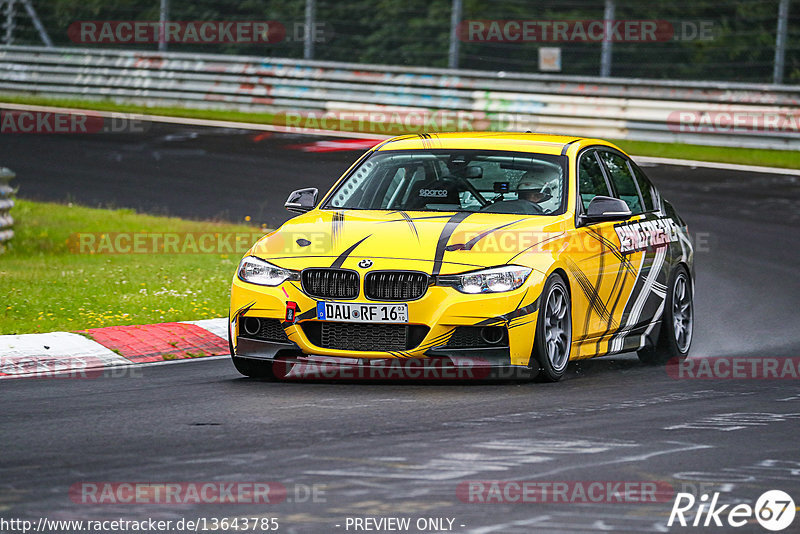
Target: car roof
{"points": [[512, 141]]}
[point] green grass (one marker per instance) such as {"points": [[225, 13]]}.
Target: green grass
{"points": [[47, 284], [746, 156], [789, 159]]}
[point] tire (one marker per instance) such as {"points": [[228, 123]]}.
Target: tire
{"points": [[553, 342], [677, 322]]}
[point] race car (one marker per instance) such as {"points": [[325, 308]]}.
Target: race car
{"points": [[516, 250]]}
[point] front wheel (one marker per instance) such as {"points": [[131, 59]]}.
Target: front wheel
{"points": [[553, 341], [677, 323]]}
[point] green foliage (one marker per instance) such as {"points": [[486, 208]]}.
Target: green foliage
{"points": [[416, 32]]}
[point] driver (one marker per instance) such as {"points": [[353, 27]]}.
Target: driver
{"points": [[533, 194], [533, 187]]}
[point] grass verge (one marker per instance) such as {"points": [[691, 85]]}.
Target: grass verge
{"points": [[48, 282], [746, 156]]}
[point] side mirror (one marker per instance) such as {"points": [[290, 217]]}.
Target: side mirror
{"points": [[302, 200], [603, 208]]}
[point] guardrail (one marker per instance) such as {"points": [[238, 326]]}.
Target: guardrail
{"points": [[6, 203], [722, 114]]}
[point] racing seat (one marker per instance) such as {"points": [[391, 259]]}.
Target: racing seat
{"points": [[436, 191]]}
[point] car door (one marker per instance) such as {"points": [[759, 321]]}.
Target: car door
{"points": [[641, 275], [595, 263]]}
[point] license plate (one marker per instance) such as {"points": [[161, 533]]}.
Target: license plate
{"points": [[362, 313]]}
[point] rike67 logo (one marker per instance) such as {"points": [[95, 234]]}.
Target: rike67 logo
{"points": [[774, 510]]}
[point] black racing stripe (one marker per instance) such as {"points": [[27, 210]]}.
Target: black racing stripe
{"points": [[343, 256], [623, 258], [244, 309], [610, 322], [647, 264], [337, 222], [441, 338], [566, 147], [410, 222], [523, 251], [522, 299], [517, 325], [472, 242], [444, 237], [525, 310], [515, 314], [308, 314], [493, 321], [595, 302], [414, 218]]}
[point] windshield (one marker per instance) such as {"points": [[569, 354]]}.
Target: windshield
{"points": [[455, 180]]}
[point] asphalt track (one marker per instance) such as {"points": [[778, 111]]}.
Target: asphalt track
{"points": [[392, 449]]}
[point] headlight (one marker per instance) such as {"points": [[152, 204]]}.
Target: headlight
{"points": [[258, 271], [494, 280]]}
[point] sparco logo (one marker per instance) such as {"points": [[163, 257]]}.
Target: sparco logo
{"points": [[774, 510], [438, 193]]}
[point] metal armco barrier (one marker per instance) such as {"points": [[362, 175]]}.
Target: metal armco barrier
{"points": [[6, 203], [708, 113]]}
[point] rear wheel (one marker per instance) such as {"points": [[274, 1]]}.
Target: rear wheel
{"points": [[551, 347], [677, 323]]}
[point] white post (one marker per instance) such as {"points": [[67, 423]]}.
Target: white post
{"points": [[455, 20], [780, 42], [163, 17], [37, 23], [8, 38], [308, 42], [605, 51]]}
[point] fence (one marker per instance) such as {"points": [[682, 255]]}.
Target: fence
{"points": [[726, 40], [6, 203], [722, 114]]}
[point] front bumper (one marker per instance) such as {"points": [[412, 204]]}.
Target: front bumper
{"points": [[441, 310]]}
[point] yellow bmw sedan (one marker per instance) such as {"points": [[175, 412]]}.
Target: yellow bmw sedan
{"points": [[507, 250]]}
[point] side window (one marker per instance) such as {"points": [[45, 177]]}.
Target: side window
{"points": [[645, 187], [622, 180], [590, 178]]}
